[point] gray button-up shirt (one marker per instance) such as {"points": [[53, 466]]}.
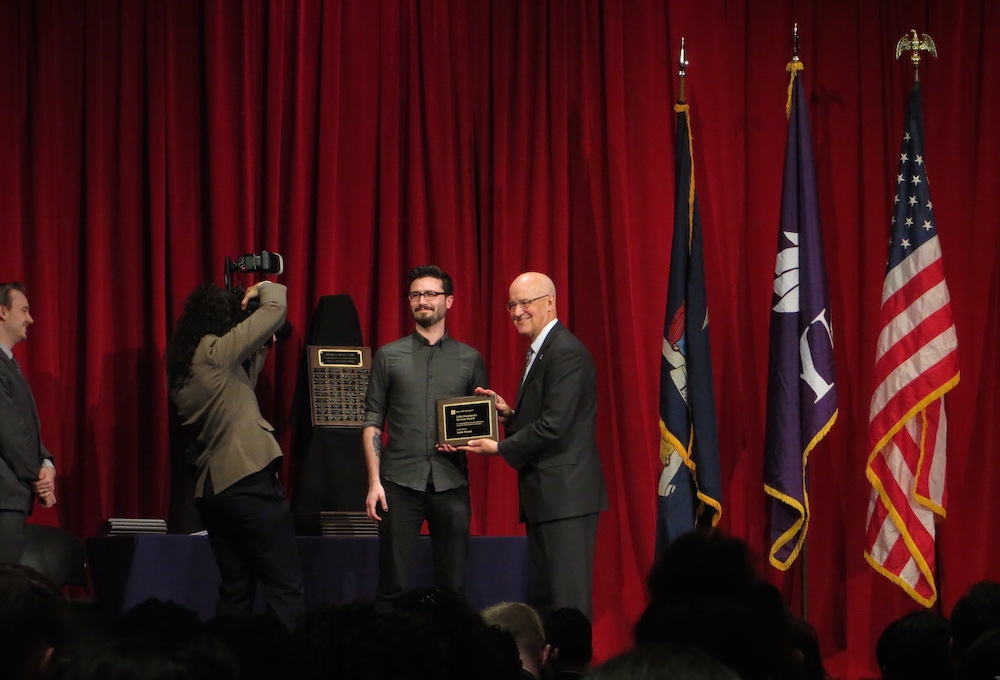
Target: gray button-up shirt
{"points": [[408, 376]]}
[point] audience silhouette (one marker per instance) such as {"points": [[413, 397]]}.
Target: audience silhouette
{"points": [[709, 617], [705, 594], [525, 625], [975, 615], [470, 645], [33, 615], [155, 640], [805, 640], [915, 647], [261, 643], [982, 659], [571, 647], [663, 662], [366, 640]]}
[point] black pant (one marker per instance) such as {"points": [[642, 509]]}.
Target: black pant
{"points": [[561, 554], [448, 514], [11, 536], [252, 534]]}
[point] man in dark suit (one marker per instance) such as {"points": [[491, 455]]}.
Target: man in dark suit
{"points": [[551, 442], [26, 468], [212, 368]]}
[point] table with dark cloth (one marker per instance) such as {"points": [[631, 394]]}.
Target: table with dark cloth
{"points": [[127, 569]]}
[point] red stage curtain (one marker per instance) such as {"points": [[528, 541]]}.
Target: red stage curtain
{"points": [[144, 141]]}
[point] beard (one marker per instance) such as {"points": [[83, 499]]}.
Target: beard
{"points": [[427, 320]]}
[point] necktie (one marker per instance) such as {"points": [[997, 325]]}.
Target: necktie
{"points": [[16, 365], [527, 362]]}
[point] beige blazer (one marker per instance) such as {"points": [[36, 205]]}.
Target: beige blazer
{"points": [[218, 407]]}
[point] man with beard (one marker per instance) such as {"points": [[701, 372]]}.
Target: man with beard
{"points": [[411, 479]]}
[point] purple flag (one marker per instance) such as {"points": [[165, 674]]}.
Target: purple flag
{"points": [[801, 395]]}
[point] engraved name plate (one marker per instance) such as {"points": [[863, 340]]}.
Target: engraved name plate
{"points": [[463, 418], [338, 380]]}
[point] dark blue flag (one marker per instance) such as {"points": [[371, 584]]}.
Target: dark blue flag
{"points": [[801, 395], [690, 488]]}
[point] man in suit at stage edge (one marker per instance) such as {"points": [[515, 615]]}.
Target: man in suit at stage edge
{"points": [[410, 478], [26, 468], [213, 360], [551, 442]]}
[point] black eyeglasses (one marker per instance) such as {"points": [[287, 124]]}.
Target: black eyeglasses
{"points": [[524, 304], [429, 294]]}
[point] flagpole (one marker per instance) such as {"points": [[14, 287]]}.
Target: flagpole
{"points": [[914, 45], [795, 42], [681, 73], [911, 43], [804, 554]]}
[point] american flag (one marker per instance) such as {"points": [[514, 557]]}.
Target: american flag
{"points": [[916, 363], [801, 391]]}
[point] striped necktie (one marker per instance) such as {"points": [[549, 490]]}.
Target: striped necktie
{"points": [[527, 362], [16, 365]]}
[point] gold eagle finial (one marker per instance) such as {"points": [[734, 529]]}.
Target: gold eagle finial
{"points": [[911, 42]]}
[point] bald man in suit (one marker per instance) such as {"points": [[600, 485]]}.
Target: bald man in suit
{"points": [[26, 468], [551, 442]]}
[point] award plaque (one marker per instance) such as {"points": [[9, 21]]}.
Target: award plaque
{"points": [[338, 380], [463, 418]]}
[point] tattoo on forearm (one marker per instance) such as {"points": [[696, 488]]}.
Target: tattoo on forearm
{"points": [[377, 444]]}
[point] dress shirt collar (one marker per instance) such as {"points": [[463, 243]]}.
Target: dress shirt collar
{"points": [[6, 351], [421, 340], [536, 344]]}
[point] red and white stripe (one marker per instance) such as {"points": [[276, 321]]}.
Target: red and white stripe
{"points": [[916, 364]]}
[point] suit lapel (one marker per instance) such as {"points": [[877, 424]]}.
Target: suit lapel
{"points": [[17, 375], [11, 368], [536, 364]]}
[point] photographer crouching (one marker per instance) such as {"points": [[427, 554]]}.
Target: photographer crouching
{"points": [[213, 359]]}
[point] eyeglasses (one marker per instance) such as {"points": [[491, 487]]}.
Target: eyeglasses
{"points": [[431, 295], [524, 304]]}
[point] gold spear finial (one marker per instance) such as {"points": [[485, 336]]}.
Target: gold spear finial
{"points": [[682, 64], [793, 68], [915, 45]]}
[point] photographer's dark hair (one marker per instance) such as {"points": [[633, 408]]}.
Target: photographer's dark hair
{"points": [[6, 289], [209, 310], [432, 271]]}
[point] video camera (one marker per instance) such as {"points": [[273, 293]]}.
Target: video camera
{"points": [[264, 262]]}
